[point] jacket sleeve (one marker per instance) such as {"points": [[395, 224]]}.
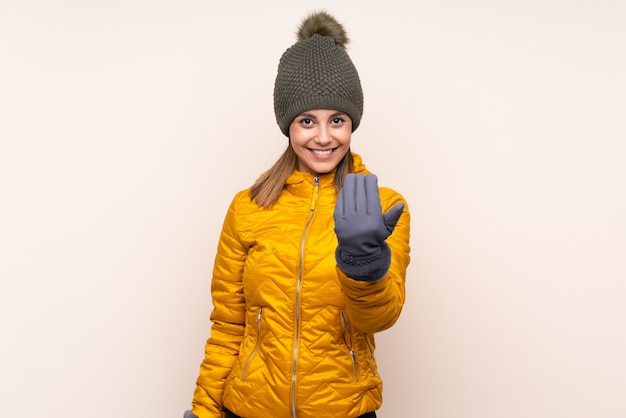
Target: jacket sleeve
{"points": [[227, 317], [376, 306]]}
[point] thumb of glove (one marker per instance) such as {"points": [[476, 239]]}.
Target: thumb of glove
{"points": [[390, 218]]}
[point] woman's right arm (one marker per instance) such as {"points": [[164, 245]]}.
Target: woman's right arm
{"points": [[222, 347]]}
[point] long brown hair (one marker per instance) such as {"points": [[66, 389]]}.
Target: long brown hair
{"points": [[266, 190]]}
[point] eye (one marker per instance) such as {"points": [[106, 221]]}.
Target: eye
{"points": [[337, 120], [306, 122]]}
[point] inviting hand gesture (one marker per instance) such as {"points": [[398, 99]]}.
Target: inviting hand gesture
{"points": [[362, 228]]}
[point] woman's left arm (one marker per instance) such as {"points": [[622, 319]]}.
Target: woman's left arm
{"points": [[375, 305]]}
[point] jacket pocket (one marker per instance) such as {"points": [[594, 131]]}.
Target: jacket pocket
{"points": [[256, 345], [348, 339]]}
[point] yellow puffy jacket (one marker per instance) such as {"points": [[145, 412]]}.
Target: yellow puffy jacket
{"points": [[292, 335]]}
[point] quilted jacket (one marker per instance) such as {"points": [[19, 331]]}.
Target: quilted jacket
{"points": [[292, 335]]}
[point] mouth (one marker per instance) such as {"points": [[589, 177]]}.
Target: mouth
{"points": [[322, 152]]}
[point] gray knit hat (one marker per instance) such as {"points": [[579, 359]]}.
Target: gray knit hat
{"points": [[317, 73]]}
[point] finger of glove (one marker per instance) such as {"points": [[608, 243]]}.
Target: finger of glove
{"points": [[372, 196], [346, 195], [358, 196], [352, 195], [339, 206], [391, 217]]}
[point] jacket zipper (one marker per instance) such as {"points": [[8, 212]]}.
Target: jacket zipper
{"points": [[316, 187], [258, 342], [350, 345]]}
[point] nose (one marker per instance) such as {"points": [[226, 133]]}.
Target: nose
{"points": [[323, 136]]}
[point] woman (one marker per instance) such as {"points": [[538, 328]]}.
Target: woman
{"points": [[312, 259]]}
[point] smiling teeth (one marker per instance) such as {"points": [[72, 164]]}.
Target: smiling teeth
{"points": [[322, 151]]}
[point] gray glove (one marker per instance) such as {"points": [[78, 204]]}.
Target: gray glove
{"points": [[189, 414], [362, 228]]}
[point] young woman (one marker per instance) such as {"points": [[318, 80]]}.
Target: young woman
{"points": [[312, 259]]}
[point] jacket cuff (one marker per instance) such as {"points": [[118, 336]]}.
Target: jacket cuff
{"points": [[370, 268]]}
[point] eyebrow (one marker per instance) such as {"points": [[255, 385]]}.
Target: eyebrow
{"points": [[311, 116]]}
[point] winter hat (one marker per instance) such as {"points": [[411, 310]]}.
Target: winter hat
{"points": [[317, 73]]}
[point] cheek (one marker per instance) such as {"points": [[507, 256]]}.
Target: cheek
{"points": [[295, 130], [346, 137], [294, 136], [297, 141]]}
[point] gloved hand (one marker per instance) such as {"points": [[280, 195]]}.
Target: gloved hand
{"points": [[189, 414], [362, 228]]}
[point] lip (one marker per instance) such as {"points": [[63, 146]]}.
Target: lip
{"points": [[330, 151]]}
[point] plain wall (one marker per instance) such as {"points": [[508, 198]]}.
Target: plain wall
{"points": [[126, 127]]}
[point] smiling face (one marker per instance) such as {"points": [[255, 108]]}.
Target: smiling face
{"points": [[320, 138]]}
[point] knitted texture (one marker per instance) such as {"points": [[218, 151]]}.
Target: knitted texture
{"points": [[316, 73]]}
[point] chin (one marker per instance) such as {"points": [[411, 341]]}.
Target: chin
{"points": [[324, 168]]}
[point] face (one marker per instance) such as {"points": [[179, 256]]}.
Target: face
{"points": [[320, 139]]}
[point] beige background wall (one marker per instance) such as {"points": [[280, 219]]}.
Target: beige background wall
{"points": [[127, 126]]}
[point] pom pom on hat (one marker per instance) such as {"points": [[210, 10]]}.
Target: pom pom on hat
{"points": [[322, 23], [317, 73]]}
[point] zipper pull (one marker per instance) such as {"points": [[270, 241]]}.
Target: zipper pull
{"points": [[316, 191], [353, 356]]}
